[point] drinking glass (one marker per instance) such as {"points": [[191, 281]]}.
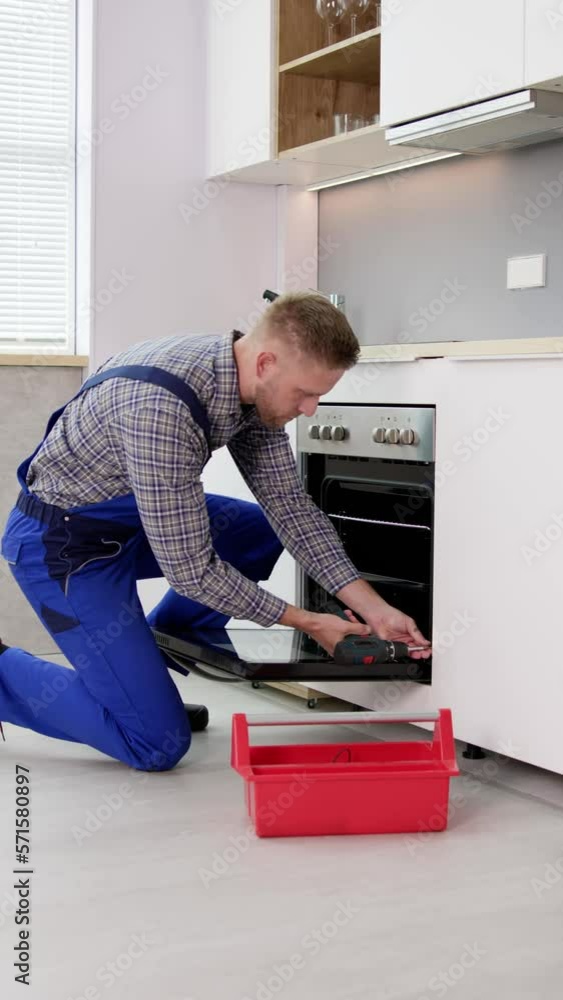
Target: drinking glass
{"points": [[331, 11], [355, 9]]}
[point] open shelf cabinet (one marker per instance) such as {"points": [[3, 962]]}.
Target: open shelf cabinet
{"points": [[316, 82]]}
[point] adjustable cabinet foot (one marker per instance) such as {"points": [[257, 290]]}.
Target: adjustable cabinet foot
{"points": [[256, 685], [473, 752]]}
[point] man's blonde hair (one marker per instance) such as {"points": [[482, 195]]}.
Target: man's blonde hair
{"points": [[309, 322]]}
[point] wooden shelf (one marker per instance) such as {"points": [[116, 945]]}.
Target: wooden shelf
{"points": [[355, 60]]}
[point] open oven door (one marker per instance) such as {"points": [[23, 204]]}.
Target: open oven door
{"points": [[274, 654]]}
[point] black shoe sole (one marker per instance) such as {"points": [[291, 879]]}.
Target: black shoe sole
{"points": [[198, 716]]}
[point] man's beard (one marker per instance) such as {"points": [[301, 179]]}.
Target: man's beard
{"points": [[267, 413]]}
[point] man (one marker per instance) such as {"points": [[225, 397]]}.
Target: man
{"points": [[113, 495]]}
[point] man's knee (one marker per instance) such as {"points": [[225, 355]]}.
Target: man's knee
{"points": [[174, 745]]}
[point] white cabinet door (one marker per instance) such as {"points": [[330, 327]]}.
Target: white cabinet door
{"points": [[445, 53], [240, 93], [544, 41], [498, 556]]}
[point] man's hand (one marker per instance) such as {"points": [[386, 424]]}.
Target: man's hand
{"points": [[327, 630], [390, 623], [386, 621]]}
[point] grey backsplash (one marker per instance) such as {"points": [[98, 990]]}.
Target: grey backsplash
{"points": [[421, 254]]}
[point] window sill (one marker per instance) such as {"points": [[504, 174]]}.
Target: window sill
{"points": [[46, 360]]}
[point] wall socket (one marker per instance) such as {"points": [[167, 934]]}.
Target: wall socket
{"points": [[526, 272]]}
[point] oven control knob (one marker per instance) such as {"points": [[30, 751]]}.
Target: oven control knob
{"points": [[325, 432], [313, 431], [379, 435], [392, 435], [407, 436], [338, 433]]}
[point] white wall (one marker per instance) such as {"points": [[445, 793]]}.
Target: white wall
{"points": [[199, 274]]}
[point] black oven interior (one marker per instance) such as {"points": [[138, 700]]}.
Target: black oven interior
{"points": [[383, 512]]}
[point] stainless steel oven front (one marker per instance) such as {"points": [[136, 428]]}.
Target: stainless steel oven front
{"points": [[371, 470]]}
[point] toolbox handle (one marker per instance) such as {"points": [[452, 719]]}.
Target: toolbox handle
{"points": [[320, 718], [443, 746]]}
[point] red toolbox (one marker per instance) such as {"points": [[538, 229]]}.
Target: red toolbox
{"points": [[295, 790]]}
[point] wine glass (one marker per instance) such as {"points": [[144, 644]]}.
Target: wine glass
{"points": [[331, 11], [355, 8]]}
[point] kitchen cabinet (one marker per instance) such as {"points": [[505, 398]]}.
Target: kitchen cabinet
{"points": [[498, 549], [543, 56], [274, 88], [240, 62], [447, 53]]}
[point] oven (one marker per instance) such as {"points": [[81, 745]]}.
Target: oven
{"points": [[371, 470]]}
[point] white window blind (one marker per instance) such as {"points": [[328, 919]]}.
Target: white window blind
{"points": [[37, 174]]}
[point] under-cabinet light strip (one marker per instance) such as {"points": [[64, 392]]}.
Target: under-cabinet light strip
{"points": [[378, 171]]}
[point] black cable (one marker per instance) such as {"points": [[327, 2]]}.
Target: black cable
{"points": [[198, 669]]}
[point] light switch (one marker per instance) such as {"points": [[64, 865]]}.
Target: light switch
{"points": [[526, 272]]}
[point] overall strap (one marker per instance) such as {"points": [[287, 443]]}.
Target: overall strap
{"points": [[140, 373], [162, 378]]}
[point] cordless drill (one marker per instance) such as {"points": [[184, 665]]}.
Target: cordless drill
{"points": [[368, 648]]}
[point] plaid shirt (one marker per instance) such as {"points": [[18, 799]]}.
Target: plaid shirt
{"points": [[124, 436]]}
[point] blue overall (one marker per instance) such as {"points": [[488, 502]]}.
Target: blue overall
{"points": [[78, 568]]}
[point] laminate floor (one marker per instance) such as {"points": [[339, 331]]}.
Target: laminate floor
{"points": [[152, 885]]}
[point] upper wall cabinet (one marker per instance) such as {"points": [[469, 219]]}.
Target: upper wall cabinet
{"points": [[544, 44], [441, 54], [286, 104], [240, 93]]}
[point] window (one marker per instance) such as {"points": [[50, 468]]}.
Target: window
{"points": [[37, 175]]}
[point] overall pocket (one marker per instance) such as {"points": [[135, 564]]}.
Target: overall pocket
{"points": [[75, 542], [11, 549]]}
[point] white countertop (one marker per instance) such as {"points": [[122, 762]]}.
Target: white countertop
{"points": [[493, 349]]}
